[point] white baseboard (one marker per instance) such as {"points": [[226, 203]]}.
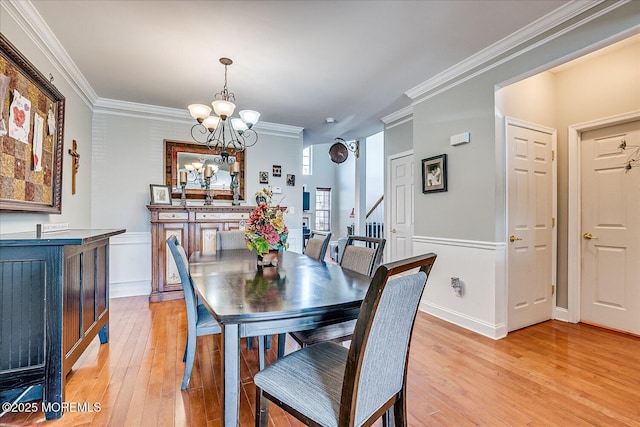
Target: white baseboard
{"points": [[129, 289], [560, 313], [476, 325]]}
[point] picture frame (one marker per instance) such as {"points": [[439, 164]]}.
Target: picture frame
{"points": [[277, 170], [32, 167], [160, 194], [291, 180], [434, 174], [264, 177]]}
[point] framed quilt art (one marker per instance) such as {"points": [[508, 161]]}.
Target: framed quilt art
{"points": [[31, 136]]}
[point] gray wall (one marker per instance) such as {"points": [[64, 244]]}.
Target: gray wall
{"points": [[398, 137], [129, 155], [76, 209], [474, 206]]}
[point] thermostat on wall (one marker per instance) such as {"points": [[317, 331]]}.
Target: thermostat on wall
{"points": [[276, 190], [461, 138]]}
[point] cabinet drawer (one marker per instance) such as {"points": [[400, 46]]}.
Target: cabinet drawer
{"points": [[173, 215], [221, 215]]}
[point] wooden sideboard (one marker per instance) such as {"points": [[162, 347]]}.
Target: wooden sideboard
{"points": [[54, 300], [195, 227]]}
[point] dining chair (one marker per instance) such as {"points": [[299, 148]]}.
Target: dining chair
{"points": [[230, 239], [234, 239], [361, 254], [327, 384], [317, 244], [200, 322]]}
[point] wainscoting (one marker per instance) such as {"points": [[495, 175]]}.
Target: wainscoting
{"points": [[130, 264], [480, 266]]}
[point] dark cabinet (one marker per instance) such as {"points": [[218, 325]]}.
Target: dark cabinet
{"points": [[54, 300]]}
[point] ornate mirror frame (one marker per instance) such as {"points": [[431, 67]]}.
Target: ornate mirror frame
{"points": [[173, 148]]}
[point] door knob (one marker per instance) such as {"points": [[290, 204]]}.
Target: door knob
{"points": [[393, 230], [589, 236], [514, 239]]}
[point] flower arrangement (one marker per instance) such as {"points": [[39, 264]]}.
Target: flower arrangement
{"points": [[266, 229]]}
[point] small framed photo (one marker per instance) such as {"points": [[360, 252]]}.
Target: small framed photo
{"points": [[434, 174], [291, 180], [277, 170], [264, 177], [160, 194]]}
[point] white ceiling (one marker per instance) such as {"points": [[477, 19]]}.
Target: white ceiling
{"points": [[297, 62]]}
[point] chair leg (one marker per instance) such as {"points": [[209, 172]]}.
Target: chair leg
{"points": [[261, 351], [186, 345], [262, 409], [249, 343], [268, 338], [190, 357], [400, 409], [386, 418], [282, 338]]}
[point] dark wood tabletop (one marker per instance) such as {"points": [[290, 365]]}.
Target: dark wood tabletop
{"points": [[236, 291], [301, 293]]}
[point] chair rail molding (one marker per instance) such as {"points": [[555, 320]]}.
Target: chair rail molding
{"points": [[481, 268]]}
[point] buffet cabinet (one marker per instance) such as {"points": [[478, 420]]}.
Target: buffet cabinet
{"points": [[195, 227], [54, 300]]}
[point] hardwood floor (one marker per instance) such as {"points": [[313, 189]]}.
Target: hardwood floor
{"points": [[549, 374]]}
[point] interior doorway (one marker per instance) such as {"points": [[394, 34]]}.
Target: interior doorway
{"points": [[604, 213]]}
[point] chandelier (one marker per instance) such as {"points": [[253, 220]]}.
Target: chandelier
{"points": [[221, 132]]}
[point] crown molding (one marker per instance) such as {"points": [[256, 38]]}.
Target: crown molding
{"points": [[28, 18], [397, 115], [492, 56], [176, 115]]}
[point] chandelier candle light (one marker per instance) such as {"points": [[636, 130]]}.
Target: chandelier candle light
{"points": [[221, 132]]}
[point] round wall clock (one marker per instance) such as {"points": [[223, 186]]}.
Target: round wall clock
{"points": [[338, 152]]}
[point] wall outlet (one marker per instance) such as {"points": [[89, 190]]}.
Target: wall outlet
{"points": [[456, 284]]}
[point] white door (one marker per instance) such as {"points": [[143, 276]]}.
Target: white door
{"points": [[610, 195], [401, 207], [530, 212]]}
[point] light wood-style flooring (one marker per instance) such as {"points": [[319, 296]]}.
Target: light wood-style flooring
{"points": [[551, 374]]}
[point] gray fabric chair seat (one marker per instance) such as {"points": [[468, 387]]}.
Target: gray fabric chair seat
{"points": [[338, 332], [206, 323], [309, 381]]}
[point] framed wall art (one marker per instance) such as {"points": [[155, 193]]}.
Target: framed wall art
{"points": [[434, 174], [264, 177], [160, 194], [277, 170], [31, 136]]}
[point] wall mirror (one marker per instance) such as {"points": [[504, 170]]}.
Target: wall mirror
{"points": [[188, 157]]}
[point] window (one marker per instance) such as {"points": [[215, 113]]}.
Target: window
{"points": [[306, 161], [323, 209]]}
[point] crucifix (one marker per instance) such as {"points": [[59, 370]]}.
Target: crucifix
{"points": [[75, 165]]}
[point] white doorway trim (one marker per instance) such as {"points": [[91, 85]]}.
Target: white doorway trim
{"points": [[574, 243], [387, 198]]}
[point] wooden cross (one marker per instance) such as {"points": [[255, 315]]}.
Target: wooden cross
{"points": [[76, 165]]}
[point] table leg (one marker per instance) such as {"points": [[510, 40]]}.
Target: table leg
{"points": [[231, 375]]}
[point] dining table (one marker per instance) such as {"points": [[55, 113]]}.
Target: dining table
{"points": [[249, 300]]}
